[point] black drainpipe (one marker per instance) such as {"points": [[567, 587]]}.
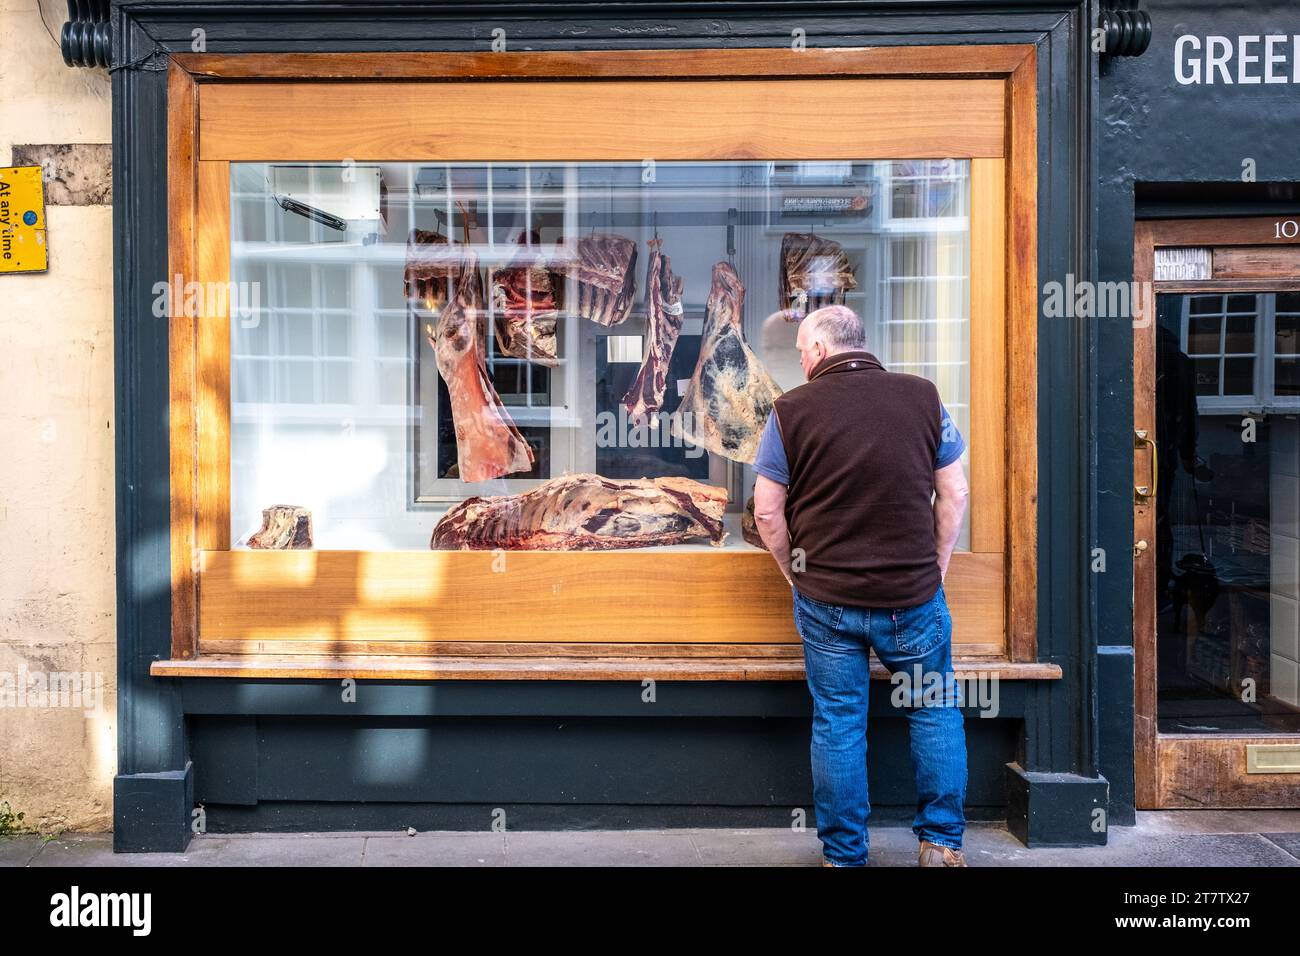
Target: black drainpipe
{"points": [[87, 38], [1127, 28]]}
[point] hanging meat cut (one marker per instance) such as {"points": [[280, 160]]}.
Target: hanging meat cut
{"points": [[604, 267], [524, 312], [488, 445], [587, 513], [664, 314], [815, 272], [731, 394]]}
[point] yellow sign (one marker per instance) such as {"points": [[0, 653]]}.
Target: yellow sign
{"points": [[22, 220]]}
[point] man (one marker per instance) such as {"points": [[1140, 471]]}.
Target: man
{"points": [[860, 496]]}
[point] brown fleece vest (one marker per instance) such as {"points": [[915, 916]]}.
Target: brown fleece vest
{"points": [[861, 442]]}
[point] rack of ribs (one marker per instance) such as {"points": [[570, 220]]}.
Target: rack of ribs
{"points": [[664, 314], [604, 266], [586, 513], [815, 272], [523, 306], [488, 445], [730, 394]]}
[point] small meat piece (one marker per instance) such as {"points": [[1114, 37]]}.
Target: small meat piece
{"points": [[586, 513], [730, 394], [284, 528]]}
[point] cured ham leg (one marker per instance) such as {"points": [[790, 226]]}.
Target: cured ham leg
{"points": [[731, 394], [488, 445], [664, 314], [586, 513]]}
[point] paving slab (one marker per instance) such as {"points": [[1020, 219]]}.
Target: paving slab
{"points": [[601, 848], [19, 850], [1287, 841], [96, 849], [757, 847], [299, 849], [1129, 849], [1218, 821], [438, 848]]}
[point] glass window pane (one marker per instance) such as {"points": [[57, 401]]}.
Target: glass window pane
{"points": [[295, 333], [1240, 336], [1288, 302], [1238, 376], [337, 331], [336, 379], [1201, 304], [1287, 333], [348, 411], [1207, 376], [1224, 552], [1203, 336], [1286, 377]]}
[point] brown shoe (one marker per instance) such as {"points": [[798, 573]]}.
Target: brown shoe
{"points": [[934, 855]]}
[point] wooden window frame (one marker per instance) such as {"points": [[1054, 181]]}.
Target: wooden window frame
{"points": [[917, 98]]}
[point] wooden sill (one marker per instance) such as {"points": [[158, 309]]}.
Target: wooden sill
{"points": [[402, 667]]}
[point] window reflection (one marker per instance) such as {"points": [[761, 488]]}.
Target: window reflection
{"points": [[338, 403]]}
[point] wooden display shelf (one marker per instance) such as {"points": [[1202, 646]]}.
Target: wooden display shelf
{"points": [[678, 664]]}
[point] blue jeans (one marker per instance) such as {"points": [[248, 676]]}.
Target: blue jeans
{"points": [[836, 642]]}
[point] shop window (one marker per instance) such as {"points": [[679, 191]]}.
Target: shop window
{"points": [[460, 319], [322, 369]]}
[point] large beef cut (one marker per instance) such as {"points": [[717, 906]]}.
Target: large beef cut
{"points": [[523, 306], [664, 314], [488, 445], [815, 272], [731, 394], [586, 513], [604, 267]]}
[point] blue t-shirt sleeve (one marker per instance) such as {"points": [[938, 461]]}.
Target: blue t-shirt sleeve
{"points": [[770, 461], [951, 444]]}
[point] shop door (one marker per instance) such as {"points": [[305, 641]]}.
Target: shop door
{"points": [[1216, 458]]}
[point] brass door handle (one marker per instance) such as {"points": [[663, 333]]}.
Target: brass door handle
{"points": [[1144, 493]]}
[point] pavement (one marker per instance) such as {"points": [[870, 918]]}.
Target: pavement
{"points": [[1164, 838]]}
